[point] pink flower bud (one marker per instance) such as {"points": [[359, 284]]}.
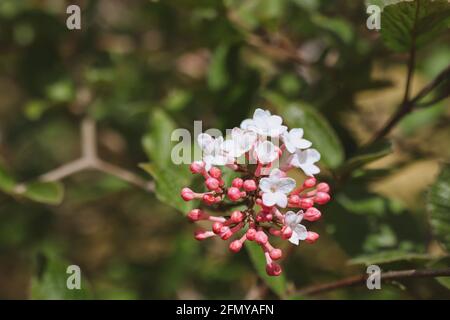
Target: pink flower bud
{"points": [[251, 234], [322, 197], [216, 227], [234, 194], [309, 183], [294, 200], [323, 187], [236, 216], [202, 234], [237, 183], [209, 199], [311, 237], [273, 269], [235, 246], [250, 185], [286, 232], [276, 254], [187, 194], [215, 172], [306, 203], [212, 183], [225, 233], [195, 214], [197, 167], [312, 214], [261, 237]]}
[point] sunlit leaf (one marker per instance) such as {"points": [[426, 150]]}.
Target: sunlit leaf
{"points": [[413, 23], [170, 180]]}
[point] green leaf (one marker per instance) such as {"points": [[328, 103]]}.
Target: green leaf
{"points": [[415, 23], [367, 155], [45, 192], [340, 27], [61, 91], [277, 284], [217, 72], [170, 180], [157, 143], [52, 283], [316, 128], [438, 206], [7, 182], [388, 257]]}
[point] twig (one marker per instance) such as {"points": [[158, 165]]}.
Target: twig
{"points": [[90, 161], [405, 107], [361, 279]]}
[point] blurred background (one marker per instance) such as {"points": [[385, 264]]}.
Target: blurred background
{"points": [[140, 68]]}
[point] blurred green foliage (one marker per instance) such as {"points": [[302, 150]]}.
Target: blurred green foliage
{"points": [[142, 68]]}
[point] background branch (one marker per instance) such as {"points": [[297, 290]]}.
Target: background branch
{"points": [[361, 279], [90, 161]]}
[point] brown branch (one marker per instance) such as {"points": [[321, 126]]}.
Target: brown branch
{"points": [[90, 161], [361, 279]]}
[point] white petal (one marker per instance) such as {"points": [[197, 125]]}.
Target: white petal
{"points": [[294, 239], [266, 152], [301, 232], [290, 219], [275, 121], [265, 184], [277, 174], [285, 185], [312, 155], [247, 123], [304, 144], [310, 169], [269, 199], [281, 199], [296, 133], [261, 114], [205, 141]]}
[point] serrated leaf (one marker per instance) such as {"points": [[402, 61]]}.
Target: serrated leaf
{"points": [[44, 192], [316, 128], [52, 283], [413, 23], [169, 182], [388, 257], [438, 206], [276, 284]]}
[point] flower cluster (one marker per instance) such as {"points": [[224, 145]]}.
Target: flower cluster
{"points": [[273, 204]]}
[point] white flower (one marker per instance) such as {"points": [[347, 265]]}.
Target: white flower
{"points": [[275, 188], [241, 142], [266, 152], [213, 151], [299, 232], [305, 159], [293, 140], [264, 124]]}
